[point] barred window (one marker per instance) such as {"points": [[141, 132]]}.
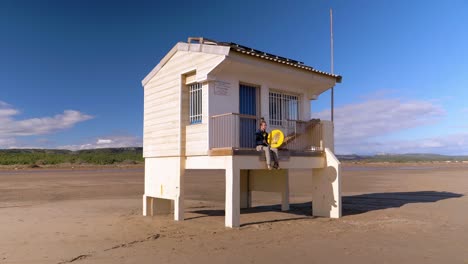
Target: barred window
{"points": [[283, 107], [195, 99]]}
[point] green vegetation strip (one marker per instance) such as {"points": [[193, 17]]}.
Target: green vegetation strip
{"points": [[135, 155], [402, 158], [51, 157]]}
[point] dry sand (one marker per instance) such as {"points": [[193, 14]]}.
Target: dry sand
{"points": [[392, 214]]}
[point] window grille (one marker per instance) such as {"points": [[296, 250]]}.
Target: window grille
{"points": [[195, 99], [283, 107]]}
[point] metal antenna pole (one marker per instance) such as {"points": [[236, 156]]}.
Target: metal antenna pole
{"points": [[331, 51]]}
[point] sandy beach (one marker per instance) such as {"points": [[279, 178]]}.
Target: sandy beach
{"points": [[392, 214]]}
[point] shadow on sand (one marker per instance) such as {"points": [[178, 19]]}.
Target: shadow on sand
{"points": [[301, 210], [355, 204], [358, 204]]}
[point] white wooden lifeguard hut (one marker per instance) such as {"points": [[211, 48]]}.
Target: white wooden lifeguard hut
{"points": [[202, 105]]}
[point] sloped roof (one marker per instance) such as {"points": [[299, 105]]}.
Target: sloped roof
{"points": [[275, 58], [224, 48]]}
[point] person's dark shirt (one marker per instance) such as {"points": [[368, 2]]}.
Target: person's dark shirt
{"points": [[261, 138]]}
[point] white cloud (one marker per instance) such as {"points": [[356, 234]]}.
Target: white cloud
{"points": [[108, 142], [451, 144], [7, 141], [4, 104], [104, 141], [358, 126], [379, 117], [5, 113], [43, 125], [11, 128]]}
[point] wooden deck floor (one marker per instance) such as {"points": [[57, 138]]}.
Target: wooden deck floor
{"points": [[283, 153]]}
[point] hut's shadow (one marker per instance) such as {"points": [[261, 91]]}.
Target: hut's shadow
{"points": [[295, 213], [354, 204], [358, 204]]}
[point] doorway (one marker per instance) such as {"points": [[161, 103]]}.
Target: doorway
{"points": [[248, 110]]}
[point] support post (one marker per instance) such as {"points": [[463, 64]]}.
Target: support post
{"points": [[326, 189], [245, 193], [179, 208], [232, 207], [147, 206], [285, 192], [164, 183], [179, 205]]}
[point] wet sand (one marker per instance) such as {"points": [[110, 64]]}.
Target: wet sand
{"points": [[392, 214]]}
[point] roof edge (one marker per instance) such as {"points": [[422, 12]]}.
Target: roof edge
{"points": [[158, 67], [198, 44], [190, 47], [273, 58], [263, 55]]}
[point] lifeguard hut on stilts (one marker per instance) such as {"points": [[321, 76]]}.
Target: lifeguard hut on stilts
{"points": [[202, 105]]}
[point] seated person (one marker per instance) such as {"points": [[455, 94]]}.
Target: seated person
{"points": [[261, 137]]}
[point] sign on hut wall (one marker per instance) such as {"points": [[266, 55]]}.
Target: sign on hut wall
{"points": [[222, 88]]}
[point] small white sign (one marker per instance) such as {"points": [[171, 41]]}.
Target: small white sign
{"points": [[222, 88]]}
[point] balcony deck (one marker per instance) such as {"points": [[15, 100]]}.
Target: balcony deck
{"points": [[232, 134], [283, 153]]}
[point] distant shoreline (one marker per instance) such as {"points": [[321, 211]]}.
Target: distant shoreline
{"points": [[404, 164], [68, 166], [133, 156]]}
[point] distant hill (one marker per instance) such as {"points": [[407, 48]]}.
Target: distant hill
{"points": [[409, 157], [351, 157], [130, 155], [65, 151], [134, 155]]}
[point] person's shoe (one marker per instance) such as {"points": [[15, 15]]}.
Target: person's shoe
{"points": [[276, 166], [269, 167]]}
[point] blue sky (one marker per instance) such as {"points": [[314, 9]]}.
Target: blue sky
{"points": [[71, 71]]}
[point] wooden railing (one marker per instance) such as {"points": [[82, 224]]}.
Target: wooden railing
{"points": [[233, 130], [303, 135]]}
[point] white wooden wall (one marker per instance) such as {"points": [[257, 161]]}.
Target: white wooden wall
{"points": [[162, 109], [236, 73], [164, 118]]}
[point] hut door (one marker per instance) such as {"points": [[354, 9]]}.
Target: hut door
{"points": [[248, 115]]}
